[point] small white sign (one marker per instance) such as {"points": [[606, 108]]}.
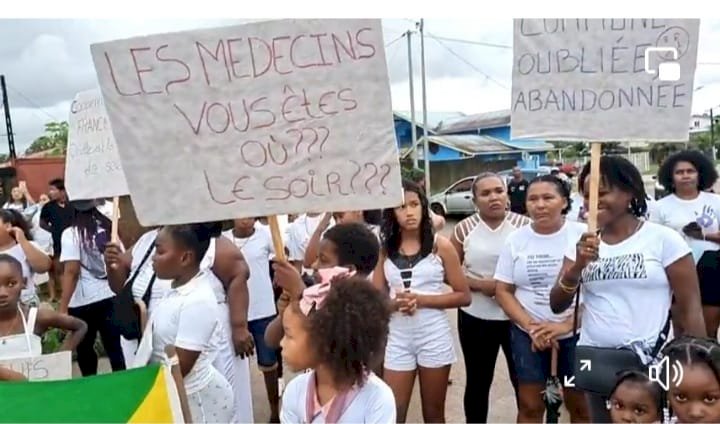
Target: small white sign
{"points": [[51, 367]]}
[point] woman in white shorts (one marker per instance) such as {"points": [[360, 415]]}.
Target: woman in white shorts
{"points": [[414, 265]]}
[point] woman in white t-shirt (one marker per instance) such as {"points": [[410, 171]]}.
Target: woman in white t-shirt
{"points": [[527, 269], [415, 265], [86, 293], [16, 241], [188, 318], [229, 272], [695, 215], [628, 274], [255, 242], [478, 240]]}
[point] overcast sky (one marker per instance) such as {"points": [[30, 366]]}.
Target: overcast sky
{"points": [[46, 62]]}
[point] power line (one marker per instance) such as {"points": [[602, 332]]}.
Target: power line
{"points": [[33, 103], [487, 76], [395, 40], [476, 43]]}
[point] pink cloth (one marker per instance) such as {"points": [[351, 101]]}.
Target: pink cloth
{"points": [[313, 297]]}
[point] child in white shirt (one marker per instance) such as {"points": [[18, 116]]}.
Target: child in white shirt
{"points": [[328, 331]]}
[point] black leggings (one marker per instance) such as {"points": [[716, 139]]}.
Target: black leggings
{"points": [[97, 317], [480, 340]]}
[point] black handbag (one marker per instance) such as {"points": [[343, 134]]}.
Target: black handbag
{"points": [[125, 313], [597, 368]]}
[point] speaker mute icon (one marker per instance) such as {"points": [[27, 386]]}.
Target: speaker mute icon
{"points": [[665, 374]]}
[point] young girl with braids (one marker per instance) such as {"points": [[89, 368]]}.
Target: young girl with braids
{"points": [[636, 399], [694, 396], [328, 331]]}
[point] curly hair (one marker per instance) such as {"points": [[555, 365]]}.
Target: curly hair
{"points": [[560, 186], [690, 350], [707, 175], [390, 229], [350, 330], [618, 172]]}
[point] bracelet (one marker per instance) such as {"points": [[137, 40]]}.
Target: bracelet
{"points": [[566, 288]]}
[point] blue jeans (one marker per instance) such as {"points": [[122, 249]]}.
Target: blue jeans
{"points": [[534, 367]]}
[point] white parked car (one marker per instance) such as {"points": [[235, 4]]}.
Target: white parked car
{"points": [[457, 199], [454, 200]]}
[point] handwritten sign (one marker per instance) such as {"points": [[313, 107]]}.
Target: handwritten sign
{"points": [[51, 367], [92, 167], [586, 79], [253, 120]]}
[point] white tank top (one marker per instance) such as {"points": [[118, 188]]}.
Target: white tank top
{"points": [[428, 276], [27, 344]]}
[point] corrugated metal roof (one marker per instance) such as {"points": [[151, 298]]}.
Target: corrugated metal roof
{"points": [[474, 145], [433, 118], [477, 121], [529, 145]]}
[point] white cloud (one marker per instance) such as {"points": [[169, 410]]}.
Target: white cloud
{"points": [[47, 62]]}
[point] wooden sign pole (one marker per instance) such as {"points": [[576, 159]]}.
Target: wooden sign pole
{"points": [[277, 238], [595, 153], [115, 233]]}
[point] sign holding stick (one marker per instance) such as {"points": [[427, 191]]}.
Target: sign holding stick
{"points": [[277, 238], [114, 234], [92, 166], [253, 120], [603, 80]]}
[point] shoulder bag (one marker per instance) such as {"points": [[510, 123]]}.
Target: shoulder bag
{"points": [[605, 364], [125, 314]]}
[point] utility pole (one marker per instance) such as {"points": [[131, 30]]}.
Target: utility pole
{"points": [[8, 122], [426, 150], [412, 101], [712, 135]]}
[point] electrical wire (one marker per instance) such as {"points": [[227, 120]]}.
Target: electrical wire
{"points": [[480, 71], [475, 43], [396, 40], [32, 103]]}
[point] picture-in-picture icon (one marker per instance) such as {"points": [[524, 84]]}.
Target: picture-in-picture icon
{"points": [[668, 70]]}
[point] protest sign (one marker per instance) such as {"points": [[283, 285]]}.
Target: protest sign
{"points": [[588, 79], [92, 165], [54, 366], [253, 120]]}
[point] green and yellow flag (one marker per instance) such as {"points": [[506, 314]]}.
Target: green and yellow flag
{"points": [[141, 395]]}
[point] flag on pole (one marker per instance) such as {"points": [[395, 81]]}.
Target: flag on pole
{"points": [[141, 395]]}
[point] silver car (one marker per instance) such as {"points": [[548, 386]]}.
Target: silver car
{"points": [[457, 199]]}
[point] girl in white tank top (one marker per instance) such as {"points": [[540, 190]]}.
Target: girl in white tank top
{"points": [[413, 268], [21, 328]]}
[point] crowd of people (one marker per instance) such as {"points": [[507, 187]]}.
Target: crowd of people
{"points": [[342, 328]]}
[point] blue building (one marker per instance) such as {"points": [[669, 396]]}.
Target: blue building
{"points": [[461, 145]]}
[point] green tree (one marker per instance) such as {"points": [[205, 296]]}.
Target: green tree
{"points": [[54, 139]]}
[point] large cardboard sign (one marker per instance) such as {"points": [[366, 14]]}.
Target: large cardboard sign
{"points": [[603, 79], [253, 120]]}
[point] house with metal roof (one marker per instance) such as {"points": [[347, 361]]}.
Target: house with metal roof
{"points": [[461, 145]]}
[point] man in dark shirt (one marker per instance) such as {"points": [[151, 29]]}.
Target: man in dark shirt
{"points": [[56, 216], [517, 190]]}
